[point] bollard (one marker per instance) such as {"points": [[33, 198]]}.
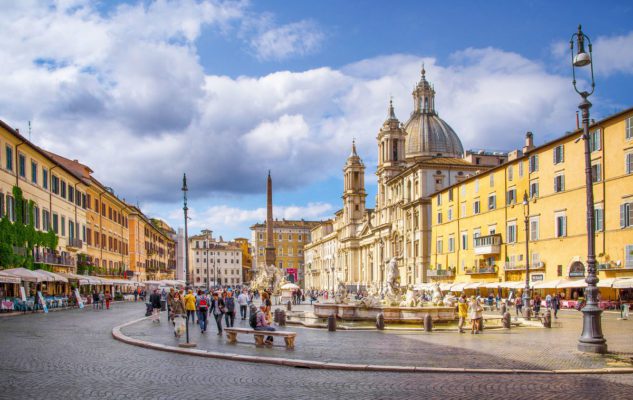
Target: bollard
{"points": [[380, 321], [504, 308], [507, 320], [527, 313], [331, 323], [481, 324], [282, 318], [276, 315], [288, 306], [428, 323], [547, 319]]}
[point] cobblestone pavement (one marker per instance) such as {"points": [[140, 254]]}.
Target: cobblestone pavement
{"points": [[521, 348], [71, 355]]}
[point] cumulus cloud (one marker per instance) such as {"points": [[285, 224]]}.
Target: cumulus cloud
{"points": [[281, 42]]}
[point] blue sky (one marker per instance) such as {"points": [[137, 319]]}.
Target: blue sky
{"points": [[227, 90]]}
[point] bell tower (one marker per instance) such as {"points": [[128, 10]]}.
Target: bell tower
{"points": [[354, 188], [391, 157]]}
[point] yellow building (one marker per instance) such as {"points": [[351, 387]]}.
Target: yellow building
{"points": [[247, 258], [479, 224], [57, 193], [150, 247], [289, 238]]}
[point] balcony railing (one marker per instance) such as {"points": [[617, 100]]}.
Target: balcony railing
{"points": [[53, 259], [490, 244], [75, 243], [615, 267], [519, 267], [439, 273], [492, 269]]}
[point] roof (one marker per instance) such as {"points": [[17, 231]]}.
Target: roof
{"points": [[544, 145], [284, 223]]}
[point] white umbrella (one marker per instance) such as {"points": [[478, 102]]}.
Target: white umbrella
{"points": [[608, 282], [27, 275], [55, 277], [474, 285], [7, 278], [624, 284], [580, 283], [458, 287], [492, 285], [289, 286], [551, 284], [445, 286]]}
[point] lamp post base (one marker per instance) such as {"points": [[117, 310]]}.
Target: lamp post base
{"points": [[591, 340], [187, 345], [592, 348]]}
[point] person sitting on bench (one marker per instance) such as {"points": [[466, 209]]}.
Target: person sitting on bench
{"points": [[263, 324]]}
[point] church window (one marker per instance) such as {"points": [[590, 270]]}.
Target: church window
{"points": [[395, 150]]}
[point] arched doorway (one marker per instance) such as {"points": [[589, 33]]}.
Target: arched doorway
{"points": [[576, 269]]}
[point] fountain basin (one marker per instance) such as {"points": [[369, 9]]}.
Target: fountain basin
{"points": [[349, 312]]}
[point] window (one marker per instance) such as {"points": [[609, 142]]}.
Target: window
{"points": [[46, 220], [464, 240], [520, 169], [71, 194], [561, 225], [36, 216], [628, 167], [511, 197], [628, 256], [492, 202], [463, 212], [450, 195], [55, 223], [300, 238], [1, 204], [476, 234], [512, 232], [594, 140], [559, 154], [492, 180], [449, 214], [439, 199], [439, 217], [510, 173], [439, 245], [22, 165], [534, 228], [596, 173], [451, 244], [626, 214], [476, 207], [55, 184], [463, 189], [598, 219], [629, 128], [11, 208], [476, 185], [533, 189], [34, 172], [44, 178], [559, 183], [9, 158], [533, 163], [63, 226]]}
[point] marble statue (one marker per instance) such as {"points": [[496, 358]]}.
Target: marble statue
{"points": [[437, 295], [268, 277], [449, 300]]}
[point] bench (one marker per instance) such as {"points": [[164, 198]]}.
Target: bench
{"points": [[289, 337]]}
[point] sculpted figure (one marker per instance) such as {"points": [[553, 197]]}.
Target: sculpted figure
{"points": [[437, 294]]}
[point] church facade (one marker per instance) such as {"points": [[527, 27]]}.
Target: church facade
{"points": [[415, 160]]}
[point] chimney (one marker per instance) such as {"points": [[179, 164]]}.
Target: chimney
{"points": [[577, 121], [529, 142]]}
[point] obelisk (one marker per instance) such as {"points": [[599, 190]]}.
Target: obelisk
{"points": [[270, 245]]}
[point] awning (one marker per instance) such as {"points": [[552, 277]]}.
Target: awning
{"points": [[55, 277], [445, 286], [474, 285], [27, 275], [492, 285], [608, 282], [624, 284], [551, 284], [6, 278], [458, 287], [83, 279], [580, 283]]}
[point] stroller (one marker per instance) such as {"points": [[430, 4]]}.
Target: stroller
{"points": [[149, 309], [179, 325]]}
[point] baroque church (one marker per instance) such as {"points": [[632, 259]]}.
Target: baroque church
{"points": [[415, 159]]}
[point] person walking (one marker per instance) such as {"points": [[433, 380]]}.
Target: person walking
{"points": [[108, 298], [135, 294], [263, 323], [242, 300], [475, 311], [177, 307], [95, 300], [556, 305], [462, 312], [229, 302], [154, 300], [190, 306], [217, 309], [537, 304], [202, 306]]}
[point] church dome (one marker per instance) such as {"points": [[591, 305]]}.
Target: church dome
{"points": [[427, 134]]}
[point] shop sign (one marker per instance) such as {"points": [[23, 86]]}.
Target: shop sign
{"points": [[80, 302], [536, 277], [22, 293], [42, 301]]}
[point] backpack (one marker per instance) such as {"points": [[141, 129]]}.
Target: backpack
{"points": [[203, 302], [252, 320]]}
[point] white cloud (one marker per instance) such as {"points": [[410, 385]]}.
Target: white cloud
{"points": [[282, 42]]}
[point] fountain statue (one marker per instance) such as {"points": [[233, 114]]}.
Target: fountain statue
{"points": [[409, 299], [393, 295], [437, 295], [268, 277]]}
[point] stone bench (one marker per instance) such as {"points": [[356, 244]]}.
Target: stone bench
{"points": [[289, 337]]}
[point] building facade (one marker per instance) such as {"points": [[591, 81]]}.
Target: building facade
{"points": [[479, 225], [247, 259], [56, 193], [214, 262], [150, 257], [415, 159], [289, 239]]}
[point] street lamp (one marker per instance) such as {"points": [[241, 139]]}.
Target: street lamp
{"points": [[185, 209], [591, 339], [526, 291]]}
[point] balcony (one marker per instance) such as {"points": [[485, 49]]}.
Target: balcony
{"points": [[614, 267], [490, 244], [488, 269], [518, 267], [74, 244], [52, 259], [440, 273]]}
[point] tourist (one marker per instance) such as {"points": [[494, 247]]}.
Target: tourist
{"points": [[136, 294], [242, 300], [518, 305], [498, 299], [548, 301], [556, 305], [170, 300], [229, 303], [217, 308], [491, 299], [202, 305], [177, 306], [190, 306], [108, 298], [475, 311], [263, 324], [268, 305], [462, 312], [95, 300], [154, 300], [537, 304]]}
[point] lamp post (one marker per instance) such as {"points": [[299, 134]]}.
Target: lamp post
{"points": [[526, 291], [185, 209], [591, 339]]}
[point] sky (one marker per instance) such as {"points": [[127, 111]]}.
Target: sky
{"points": [[224, 91]]}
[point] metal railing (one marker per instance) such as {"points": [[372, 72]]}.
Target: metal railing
{"points": [[53, 259], [489, 240]]}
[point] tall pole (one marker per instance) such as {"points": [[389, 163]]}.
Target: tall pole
{"points": [[187, 277], [591, 340], [526, 290], [207, 256]]}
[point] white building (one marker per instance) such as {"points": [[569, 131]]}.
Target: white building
{"points": [[214, 262]]}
